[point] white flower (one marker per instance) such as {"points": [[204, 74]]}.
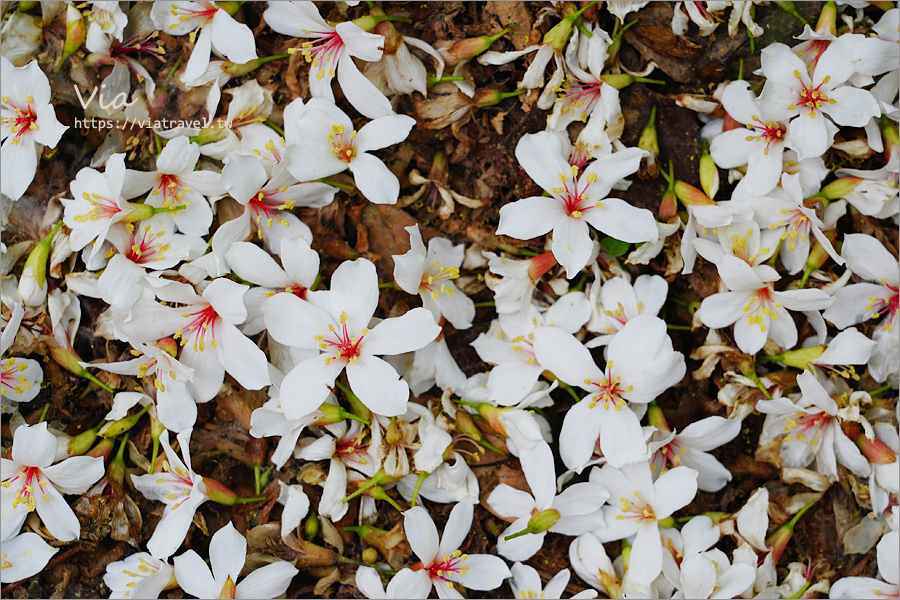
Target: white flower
{"points": [[139, 576], [710, 575], [795, 221], [617, 300], [866, 587], [331, 53], [640, 365], [690, 447], [526, 583], [27, 124], [509, 344], [431, 273], [348, 454], [174, 403], [149, 244], [885, 477], [175, 183], [31, 483], [405, 584], [442, 560], [269, 420], [575, 201], [638, 504], [338, 326], [810, 429], [20, 378], [296, 274], [450, 482], [96, 205], [590, 562], [123, 56], [227, 555], [858, 302], [24, 556], [330, 145], [180, 489], [759, 145], [791, 93], [207, 329], [575, 511], [514, 291], [219, 32], [758, 311]]}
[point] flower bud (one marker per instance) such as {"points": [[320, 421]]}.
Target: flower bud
{"points": [[778, 541], [140, 212], [876, 451], [168, 345], [33, 283], [650, 142], [218, 492], [75, 32], [818, 255], [67, 359], [369, 555], [839, 188], [485, 97], [116, 471], [208, 135], [465, 424], [469, 48], [668, 207], [801, 357], [393, 434], [103, 449], [332, 413], [656, 418], [311, 526], [618, 80], [81, 443], [114, 428], [543, 520], [691, 196], [230, 7], [559, 35], [491, 414], [828, 19], [709, 174], [891, 137], [540, 264]]}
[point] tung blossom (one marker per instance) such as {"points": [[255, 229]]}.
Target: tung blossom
{"points": [[575, 201], [331, 145], [638, 505], [757, 310], [31, 482], [791, 93], [27, 124], [24, 556], [227, 555], [442, 560], [640, 365], [330, 52], [139, 576], [337, 325], [431, 273], [219, 32], [810, 429], [180, 489]]}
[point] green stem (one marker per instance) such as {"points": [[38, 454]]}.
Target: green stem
{"points": [[486, 444], [432, 80], [44, 413], [337, 184], [353, 417], [488, 303], [806, 273], [741, 69], [415, 495], [568, 388], [679, 327], [250, 500], [256, 477], [154, 455], [388, 285], [800, 512], [90, 377], [474, 405], [877, 391], [755, 378], [646, 80], [274, 126]]}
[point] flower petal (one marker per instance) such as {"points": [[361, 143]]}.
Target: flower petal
{"points": [[378, 385]]}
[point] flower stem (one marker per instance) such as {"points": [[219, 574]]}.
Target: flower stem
{"points": [[568, 388], [486, 444], [751, 373], [44, 413], [250, 500], [877, 391], [269, 121], [415, 495], [679, 327], [388, 285], [337, 184], [489, 303]]}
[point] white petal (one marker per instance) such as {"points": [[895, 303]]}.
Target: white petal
{"points": [[24, 556], [227, 553], [270, 581], [421, 534], [572, 244], [530, 217], [374, 180], [378, 385], [194, 576]]}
